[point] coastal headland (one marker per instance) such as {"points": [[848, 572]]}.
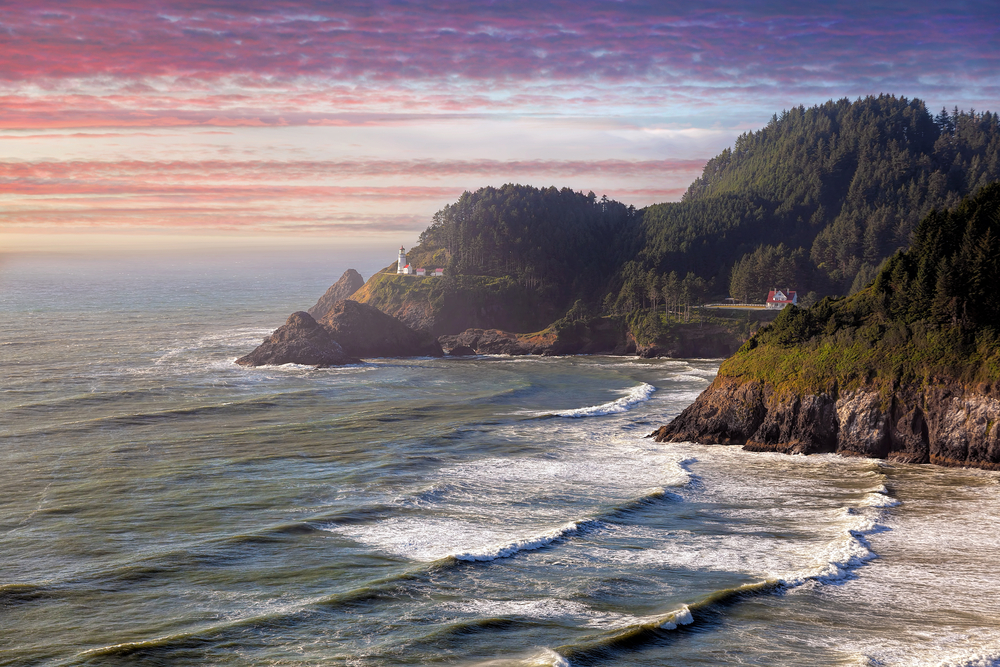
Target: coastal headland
{"points": [[907, 369], [876, 199]]}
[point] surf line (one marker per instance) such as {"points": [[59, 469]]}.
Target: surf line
{"points": [[634, 396], [850, 552]]}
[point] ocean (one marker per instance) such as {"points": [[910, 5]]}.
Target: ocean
{"points": [[160, 505]]}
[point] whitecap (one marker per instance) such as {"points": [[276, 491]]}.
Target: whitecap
{"points": [[428, 540], [635, 395], [686, 378], [530, 543], [680, 617]]}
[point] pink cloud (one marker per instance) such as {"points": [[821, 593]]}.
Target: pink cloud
{"points": [[253, 64], [135, 172]]}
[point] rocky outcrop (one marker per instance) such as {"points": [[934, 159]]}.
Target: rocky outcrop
{"points": [[485, 341], [301, 340], [365, 331], [597, 335], [348, 284], [349, 330], [946, 423], [690, 341]]}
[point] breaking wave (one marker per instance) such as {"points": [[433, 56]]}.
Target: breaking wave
{"points": [[635, 395]]}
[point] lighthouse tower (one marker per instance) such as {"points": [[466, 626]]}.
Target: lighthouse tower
{"points": [[401, 265]]}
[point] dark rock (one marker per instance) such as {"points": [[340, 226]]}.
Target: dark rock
{"points": [[728, 413], [461, 351], [486, 341], [348, 284], [365, 331], [805, 427], [301, 340], [948, 424]]}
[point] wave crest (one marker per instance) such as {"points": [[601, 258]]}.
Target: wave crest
{"points": [[635, 395]]}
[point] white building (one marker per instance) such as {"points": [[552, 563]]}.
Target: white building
{"points": [[401, 266], [777, 298]]}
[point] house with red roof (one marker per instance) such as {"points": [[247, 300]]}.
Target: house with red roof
{"points": [[778, 298]]}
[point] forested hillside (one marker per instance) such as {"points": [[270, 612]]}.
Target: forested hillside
{"points": [[845, 181], [562, 245], [816, 201], [908, 368], [933, 311]]}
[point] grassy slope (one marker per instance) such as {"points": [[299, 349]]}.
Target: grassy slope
{"points": [[860, 349], [931, 315], [458, 302]]}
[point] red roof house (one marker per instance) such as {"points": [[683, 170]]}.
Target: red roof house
{"points": [[777, 298]]}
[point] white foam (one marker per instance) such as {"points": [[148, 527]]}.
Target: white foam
{"points": [[845, 553], [687, 378], [544, 658], [879, 500], [975, 660], [522, 544], [432, 539], [680, 617], [547, 608], [634, 396]]}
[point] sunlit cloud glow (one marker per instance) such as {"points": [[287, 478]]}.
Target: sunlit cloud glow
{"points": [[350, 118]]}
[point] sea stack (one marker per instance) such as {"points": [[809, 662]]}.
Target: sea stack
{"points": [[301, 340], [348, 284]]}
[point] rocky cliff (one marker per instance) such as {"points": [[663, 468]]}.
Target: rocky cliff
{"points": [[348, 331], [348, 284], [907, 369], [365, 331], [597, 335], [451, 304], [301, 340], [945, 423]]}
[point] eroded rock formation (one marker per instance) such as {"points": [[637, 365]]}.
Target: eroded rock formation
{"points": [[348, 284], [301, 340], [365, 331], [946, 423]]}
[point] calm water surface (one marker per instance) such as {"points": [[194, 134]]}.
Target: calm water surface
{"points": [[161, 505]]}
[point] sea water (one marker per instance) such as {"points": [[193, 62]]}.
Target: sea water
{"points": [[161, 505]]}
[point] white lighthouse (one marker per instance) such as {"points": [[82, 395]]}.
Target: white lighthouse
{"points": [[401, 265]]}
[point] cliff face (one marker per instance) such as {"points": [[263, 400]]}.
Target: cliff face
{"points": [[452, 304], [365, 331], [348, 284], [301, 340], [946, 423]]}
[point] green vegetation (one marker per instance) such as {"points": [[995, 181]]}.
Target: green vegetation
{"points": [[454, 303], [818, 201], [933, 312], [562, 245], [841, 186]]}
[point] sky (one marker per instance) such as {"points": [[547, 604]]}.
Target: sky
{"points": [[248, 124]]}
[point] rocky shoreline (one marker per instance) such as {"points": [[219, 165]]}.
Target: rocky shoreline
{"points": [[945, 423], [343, 326], [349, 331]]}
